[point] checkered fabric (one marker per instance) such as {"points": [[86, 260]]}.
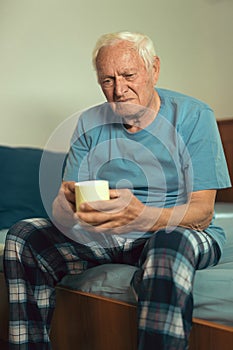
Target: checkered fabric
{"points": [[38, 256]]}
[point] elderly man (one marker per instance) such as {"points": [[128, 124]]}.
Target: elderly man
{"points": [[161, 153]]}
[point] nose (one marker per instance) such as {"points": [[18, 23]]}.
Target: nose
{"points": [[120, 87]]}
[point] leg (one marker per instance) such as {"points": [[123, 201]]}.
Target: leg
{"points": [[37, 256], [165, 303]]}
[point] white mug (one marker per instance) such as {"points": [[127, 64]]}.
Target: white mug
{"points": [[90, 191]]}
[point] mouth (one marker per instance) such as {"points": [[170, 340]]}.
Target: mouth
{"points": [[124, 101], [127, 109]]}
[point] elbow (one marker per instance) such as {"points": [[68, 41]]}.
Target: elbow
{"points": [[204, 219], [208, 214]]}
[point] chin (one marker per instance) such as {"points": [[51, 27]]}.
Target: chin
{"points": [[127, 109]]}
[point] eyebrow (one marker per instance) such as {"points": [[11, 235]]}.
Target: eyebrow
{"points": [[125, 72]]}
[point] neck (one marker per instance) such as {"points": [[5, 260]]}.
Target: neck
{"points": [[133, 128]]}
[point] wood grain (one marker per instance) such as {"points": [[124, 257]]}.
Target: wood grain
{"points": [[210, 336], [92, 322], [225, 127]]}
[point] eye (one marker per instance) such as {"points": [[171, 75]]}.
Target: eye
{"points": [[130, 76], [107, 82]]}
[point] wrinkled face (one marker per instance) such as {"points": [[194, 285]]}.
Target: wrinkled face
{"points": [[124, 78]]}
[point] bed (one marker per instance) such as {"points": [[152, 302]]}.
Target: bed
{"points": [[103, 317], [99, 313]]}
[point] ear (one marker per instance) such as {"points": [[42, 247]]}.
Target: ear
{"points": [[156, 69]]}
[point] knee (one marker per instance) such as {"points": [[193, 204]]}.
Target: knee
{"points": [[169, 257], [21, 233], [24, 241], [25, 227], [170, 245]]}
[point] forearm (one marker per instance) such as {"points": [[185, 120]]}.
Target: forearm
{"points": [[196, 214], [125, 213]]}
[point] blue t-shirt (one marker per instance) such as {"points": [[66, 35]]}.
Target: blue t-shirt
{"points": [[178, 153]]}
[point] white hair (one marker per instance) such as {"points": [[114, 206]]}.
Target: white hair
{"points": [[142, 44]]}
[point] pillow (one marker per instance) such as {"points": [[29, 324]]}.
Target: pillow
{"points": [[20, 196], [109, 280]]}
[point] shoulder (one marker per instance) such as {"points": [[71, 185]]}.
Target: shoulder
{"points": [[179, 99], [184, 111]]}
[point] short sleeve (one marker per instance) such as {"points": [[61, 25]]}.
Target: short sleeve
{"points": [[201, 137]]}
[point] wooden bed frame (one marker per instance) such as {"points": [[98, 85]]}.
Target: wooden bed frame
{"points": [[85, 321], [92, 322], [225, 127]]}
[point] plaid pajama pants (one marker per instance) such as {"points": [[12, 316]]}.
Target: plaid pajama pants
{"points": [[37, 256]]}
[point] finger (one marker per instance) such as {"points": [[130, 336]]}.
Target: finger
{"points": [[93, 218], [70, 186], [108, 206], [108, 228], [69, 191]]}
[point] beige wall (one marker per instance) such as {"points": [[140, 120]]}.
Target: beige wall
{"points": [[45, 59]]}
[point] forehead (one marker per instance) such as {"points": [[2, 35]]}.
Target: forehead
{"points": [[121, 56]]}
